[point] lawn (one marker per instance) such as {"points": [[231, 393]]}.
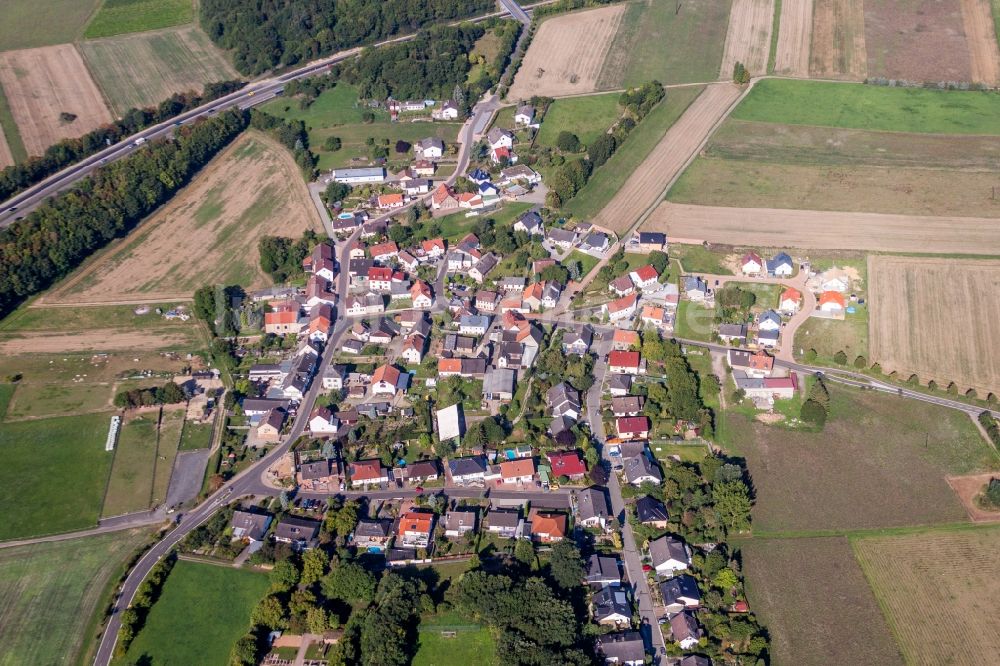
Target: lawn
{"points": [[694, 322], [130, 487], [473, 643], [829, 336], [196, 436], [588, 117], [880, 462], [53, 475], [166, 450], [456, 226], [814, 600], [857, 106], [209, 606], [669, 42], [51, 593], [699, 259], [586, 261], [29, 23], [117, 17], [610, 177]]}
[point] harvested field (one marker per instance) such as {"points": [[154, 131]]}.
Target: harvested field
{"points": [[794, 38], [749, 37], [645, 186], [566, 53], [861, 189], [144, 69], [838, 49], [6, 157], [40, 84], [984, 56], [821, 230], [816, 604], [968, 488], [207, 234], [951, 572], [919, 306], [97, 340], [917, 40]]}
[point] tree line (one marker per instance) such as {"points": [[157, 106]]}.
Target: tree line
{"points": [[291, 134], [168, 394], [281, 257], [19, 177], [56, 237], [272, 33]]}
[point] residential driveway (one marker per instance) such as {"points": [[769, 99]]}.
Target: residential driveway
{"points": [[185, 481]]}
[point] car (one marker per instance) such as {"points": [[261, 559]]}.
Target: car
{"points": [[419, 489], [647, 568], [12, 209]]}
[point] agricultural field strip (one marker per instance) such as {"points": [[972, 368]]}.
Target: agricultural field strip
{"points": [[794, 38], [748, 39], [977, 20], [838, 48], [6, 156]]}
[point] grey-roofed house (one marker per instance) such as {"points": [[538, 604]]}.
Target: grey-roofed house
{"points": [[651, 511], [459, 522], [684, 630], [360, 175], [512, 284], [250, 526], [467, 469], [622, 649], [562, 237], [530, 222], [498, 384], [592, 508], [578, 342], [602, 570], [563, 400], [473, 324], [373, 535], [421, 470], [669, 555], [610, 606], [695, 660], [680, 593], [640, 469], [503, 522], [768, 339], [560, 424], [484, 267], [730, 332], [619, 385], [626, 405], [780, 266], [300, 532], [595, 241], [695, 288]]}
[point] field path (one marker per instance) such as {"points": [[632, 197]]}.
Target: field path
{"points": [[679, 145], [826, 230], [794, 38], [977, 19], [749, 37]]}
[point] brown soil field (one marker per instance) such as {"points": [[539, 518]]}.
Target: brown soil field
{"points": [[917, 40], [936, 318], [791, 57], [749, 37], [861, 189], [99, 340], [838, 48], [668, 158], [207, 234], [938, 591], [42, 83], [823, 230], [813, 597], [566, 53], [6, 158], [968, 489], [984, 56]]}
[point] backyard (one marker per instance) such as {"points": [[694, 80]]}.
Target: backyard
{"points": [[587, 117]]}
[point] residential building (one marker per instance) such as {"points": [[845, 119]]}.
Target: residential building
{"points": [[517, 173], [610, 606], [473, 325], [780, 266], [627, 405], [390, 201], [603, 571], [386, 380], [733, 332], [383, 252], [547, 527], [578, 341], [419, 471], [483, 267], [592, 509], [299, 532], [430, 148], [619, 385], [499, 384], [751, 264], [625, 362], [521, 470], [503, 522], [757, 364], [469, 469], [568, 464], [563, 238], [645, 277], [564, 400], [766, 388], [622, 340], [669, 555], [415, 529], [832, 302], [373, 535], [651, 511], [319, 476], [524, 116], [323, 422], [680, 593], [269, 429], [368, 473], [283, 319], [696, 289], [249, 525], [639, 469], [632, 427], [684, 630], [321, 262], [500, 138], [622, 286], [444, 198], [530, 223], [595, 241], [621, 309], [357, 176], [651, 241], [459, 522], [622, 649], [789, 301]]}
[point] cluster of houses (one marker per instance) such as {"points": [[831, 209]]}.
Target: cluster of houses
{"points": [[754, 374]]}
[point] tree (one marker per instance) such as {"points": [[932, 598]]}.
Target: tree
{"points": [[658, 260], [336, 191], [269, 613], [318, 620], [813, 412], [566, 565], [567, 142], [171, 393], [740, 74], [244, 652], [349, 582], [840, 358], [331, 144], [284, 576], [732, 505], [314, 563], [601, 150], [725, 579], [860, 362], [524, 552]]}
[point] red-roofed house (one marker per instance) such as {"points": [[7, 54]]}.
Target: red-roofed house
{"points": [[521, 470], [379, 278], [415, 529], [832, 301], [751, 264], [789, 300], [385, 380], [283, 319], [621, 308], [390, 201], [413, 348], [384, 251], [547, 527], [443, 198], [435, 247], [368, 473], [567, 463], [320, 322], [624, 340], [421, 294], [624, 362], [502, 154], [645, 277], [448, 367], [633, 427]]}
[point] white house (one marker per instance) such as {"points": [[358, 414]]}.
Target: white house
{"points": [[769, 321], [500, 138], [780, 265], [429, 148], [751, 264], [525, 116], [322, 421], [832, 301], [622, 308], [473, 325], [645, 277], [669, 555], [385, 380], [789, 301]]}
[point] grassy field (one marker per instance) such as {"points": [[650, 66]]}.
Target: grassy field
{"points": [[33, 400], [144, 69], [880, 462], [952, 572], [455, 226], [814, 600], [167, 447], [871, 107], [51, 592], [53, 475], [11, 135], [117, 17], [6, 393], [656, 41], [829, 336], [587, 261], [206, 604], [588, 117], [608, 179], [699, 259], [28, 23], [130, 487], [196, 436], [472, 645]]}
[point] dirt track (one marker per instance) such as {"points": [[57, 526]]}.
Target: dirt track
{"points": [[566, 53], [42, 83], [749, 37], [977, 20], [772, 227], [794, 38], [668, 158], [838, 47]]}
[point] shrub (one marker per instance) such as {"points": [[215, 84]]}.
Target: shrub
{"points": [[840, 358], [332, 143], [567, 142], [810, 356], [860, 362], [813, 412]]}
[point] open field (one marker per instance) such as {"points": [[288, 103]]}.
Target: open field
{"points": [[794, 38], [131, 484], [10, 137], [208, 605], [29, 23], [968, 488], [196, 436], [53, 475], [167, 447], [207, 234], [860, 189], [871, 107], [981, 36], [145, 69], [952, 572], [826, 230], [918, 308], [829, 336], [610, 178], [6, 156], [456, 226], [473, 643], [51, 592], [567, 53], [838, 47], [588, 117], [880, 462], [42, 83], [816, 604], [108, 368], [666, 41], [645, 186], [917, 40], [117, 17], [33, 400], [749, 37]]}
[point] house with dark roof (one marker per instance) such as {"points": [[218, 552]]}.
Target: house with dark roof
{"points": [[503, 522], [592, 508], [627, 405], [669, 555], [680, 593], [459, 522], [619, 385], [469, 469], [684, 630], [249, 525], [622, 649], [602, 571], [731, 332], [639, 469], [651, 511], [300, 532], [695, 660], [610, 606], [373, 535], [530, 222], [563, 400], [780, 265], [578, 342]]}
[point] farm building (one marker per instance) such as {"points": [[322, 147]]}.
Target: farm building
{"points": [[356, 176]]}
